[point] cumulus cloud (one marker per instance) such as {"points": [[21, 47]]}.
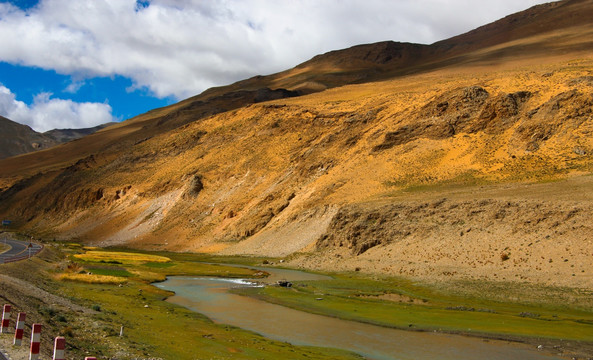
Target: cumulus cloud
{"points": [[180, 48], [46, 113]]}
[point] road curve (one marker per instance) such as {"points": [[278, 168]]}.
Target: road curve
{"points": [[19, 250]]}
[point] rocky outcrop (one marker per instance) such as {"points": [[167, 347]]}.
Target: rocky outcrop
{"points": [[468, 110], [568, 110]]}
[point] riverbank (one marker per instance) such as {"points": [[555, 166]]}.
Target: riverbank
{"points": [[214, 298], [556, 320]]}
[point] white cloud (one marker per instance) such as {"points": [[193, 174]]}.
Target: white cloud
{"points": [[74, 86], [46, 113], [180, 48]]}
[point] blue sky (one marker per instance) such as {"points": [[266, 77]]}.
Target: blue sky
{"points": [[30, 81], [80, 63]]}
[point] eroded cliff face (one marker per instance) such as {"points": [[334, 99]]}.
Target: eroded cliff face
{"points": [[537, 233]]}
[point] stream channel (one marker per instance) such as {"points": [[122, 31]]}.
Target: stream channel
{"points": [[210, 296]]}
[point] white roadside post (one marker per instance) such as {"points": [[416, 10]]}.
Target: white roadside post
{"points": [[35, 342], [5, 319], [20, 327], [59, 348]]}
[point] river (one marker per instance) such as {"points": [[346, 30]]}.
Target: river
{"points": [[211, 297]]}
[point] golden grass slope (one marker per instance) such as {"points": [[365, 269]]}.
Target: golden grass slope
{"points": [[536, 35]]}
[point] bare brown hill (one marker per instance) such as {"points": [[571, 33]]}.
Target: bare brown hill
{"points": [[465, 150], [65, 135], [17, 139]]}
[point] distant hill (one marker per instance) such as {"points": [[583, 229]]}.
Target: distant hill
{"points": [[65, 135], [16, 139]]}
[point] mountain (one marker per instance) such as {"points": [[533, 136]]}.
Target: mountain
{"points": [[543, 31], [16, 139], [65, 135], [428, 161]]}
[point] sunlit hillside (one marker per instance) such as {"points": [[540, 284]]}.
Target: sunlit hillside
{"points": [[469, 158]]}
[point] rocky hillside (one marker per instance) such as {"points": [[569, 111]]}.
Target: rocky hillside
{"points": [[470, 158]]}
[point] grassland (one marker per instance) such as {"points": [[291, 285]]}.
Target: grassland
{"points": [[116, 293], [120, 257], [92, 279]]}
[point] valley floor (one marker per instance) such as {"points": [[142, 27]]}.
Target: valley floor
{"points": [[68, 285]]}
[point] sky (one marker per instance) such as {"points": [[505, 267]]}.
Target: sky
{"points": [[76, 64]]}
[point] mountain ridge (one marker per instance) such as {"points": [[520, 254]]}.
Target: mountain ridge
{"points": [[304, 80]]}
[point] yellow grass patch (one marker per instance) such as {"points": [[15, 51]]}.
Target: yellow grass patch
{"points": [[92, 279], [122, 257], [149, 276]]}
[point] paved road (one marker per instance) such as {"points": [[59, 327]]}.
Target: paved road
{"points": [[19, 250]]}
